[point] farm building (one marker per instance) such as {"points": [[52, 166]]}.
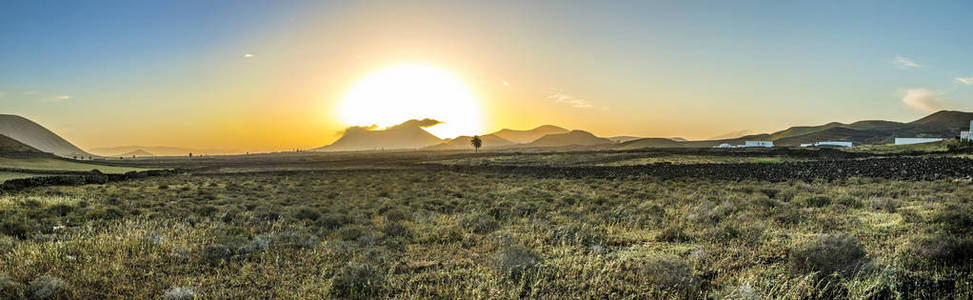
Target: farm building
{"points": [[909, 141], [832, 144], [766, 144]]}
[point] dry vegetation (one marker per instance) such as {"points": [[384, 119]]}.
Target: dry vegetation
{"points": [[420, 233]]}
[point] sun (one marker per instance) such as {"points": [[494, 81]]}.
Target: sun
{"points": [[400, 93]]}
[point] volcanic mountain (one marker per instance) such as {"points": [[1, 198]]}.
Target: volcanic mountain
{"points": [[572, 138], [136, 153], [9, 145], [527, 136], [942, 124], [36, 136], [408, 135]]}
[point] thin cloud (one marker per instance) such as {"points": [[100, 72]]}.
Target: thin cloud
{"points": [[62, 97], [924, 100], [905, 62], [965, 80], [248, 55], [558, 96]]}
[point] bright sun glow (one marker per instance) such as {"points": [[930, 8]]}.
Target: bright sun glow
{"points": [[397, 94]]}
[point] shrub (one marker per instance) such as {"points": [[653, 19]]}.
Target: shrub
{"points": [[351, 232], [582, 235], [942, 249], [17, 229], [10, 289], [671, 273], [358, 281], [673, 234], [396, 215], [179, 293], [397, 230], [217, 252], [828, 254], [60, 209], [306, 213], [296, 239], [817, 201], [333, 221], [850, 201], [515, 262], [885, 204], [7, 244], [955, 219], [47, 287], [481, 223]]}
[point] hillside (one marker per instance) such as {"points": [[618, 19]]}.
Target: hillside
{"points": [[408, 135], [9, 145], [527, 136], [136, 153], [572, 138], [463, 143], [34, 135], [944, 124], [161, 150]]}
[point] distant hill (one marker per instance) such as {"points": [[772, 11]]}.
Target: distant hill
{"points": [[622, 139], [463, 143], [527, 136], [9, 145], [943, 124], [408, 135], [136, 153], [34, 135], [160, 150], [572, 138]]}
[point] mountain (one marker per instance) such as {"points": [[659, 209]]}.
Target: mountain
{"points": [[408, 135], [34, 135], [942, 124], [463, 143], [732, 134], [160, 150], [527, 136], [9, 145], [572, 138], [136, 153], [622, 139]]}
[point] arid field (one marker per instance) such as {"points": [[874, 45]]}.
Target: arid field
{"points": [[469, 226]]}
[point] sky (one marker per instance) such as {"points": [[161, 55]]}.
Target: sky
{"points": [[272, 75]]}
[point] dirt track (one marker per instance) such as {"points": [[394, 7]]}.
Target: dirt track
{"points": [[906, 168]]}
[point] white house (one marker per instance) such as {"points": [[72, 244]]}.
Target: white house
{"points": [[909, 141], [765, 144], [806, 145], [964, 135], [833, 144]]}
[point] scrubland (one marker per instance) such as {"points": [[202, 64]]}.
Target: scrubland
{"points": [[420, 233]]}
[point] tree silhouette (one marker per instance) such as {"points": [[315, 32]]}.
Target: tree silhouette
{"points": [[477, 143]]}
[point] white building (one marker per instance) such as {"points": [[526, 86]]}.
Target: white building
{"points": [[765, 144], [806, 145], [909, 141], [724, 145], [964, 135], [833, 144]]}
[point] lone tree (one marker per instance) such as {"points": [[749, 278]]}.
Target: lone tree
{"points": [[477, 143]]}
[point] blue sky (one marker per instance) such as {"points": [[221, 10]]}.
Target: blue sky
{"points": [[177, 72]]}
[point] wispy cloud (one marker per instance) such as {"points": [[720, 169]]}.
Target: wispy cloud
{"points": [[248, 55], [924, 100], [558, 96], [965, 80], [62, 97], [905, 62]]}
